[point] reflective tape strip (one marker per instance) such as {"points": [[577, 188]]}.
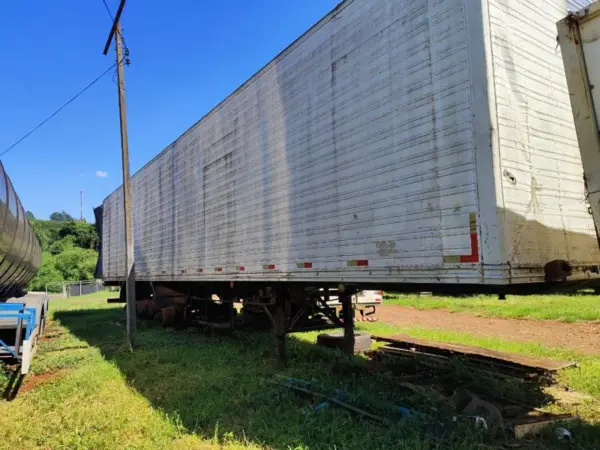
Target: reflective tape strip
{"points": [[473, 223], [269, 267], [451, 259], [304, 265], [358, 263], [474, 256]]}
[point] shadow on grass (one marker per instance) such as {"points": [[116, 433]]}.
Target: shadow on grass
{"points": [[215, 387]]}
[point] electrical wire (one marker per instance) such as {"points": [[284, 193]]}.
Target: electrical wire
{"points": [[112, 19], [67, 103], [72, 99], [108, 10]]}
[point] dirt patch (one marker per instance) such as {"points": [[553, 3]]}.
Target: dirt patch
{"points": [[50, 336], [32, 381], [580, 336]]}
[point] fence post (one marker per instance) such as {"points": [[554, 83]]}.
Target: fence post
{"points": [[64, 290]]}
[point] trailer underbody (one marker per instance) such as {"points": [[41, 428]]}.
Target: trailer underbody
{"points": [[227, 306], [284, 307]]}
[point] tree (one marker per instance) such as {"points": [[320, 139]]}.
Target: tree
{"points": [[59, 246], [42, 233], [46, 274], [76, 264], [29, 216], [61, 216], [84, 234], [69, 251]]}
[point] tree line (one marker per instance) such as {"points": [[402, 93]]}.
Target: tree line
{"points": [[69, 249]]}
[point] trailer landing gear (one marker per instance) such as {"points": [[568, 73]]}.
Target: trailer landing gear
{"points": [[280, 329], [348, 316]]}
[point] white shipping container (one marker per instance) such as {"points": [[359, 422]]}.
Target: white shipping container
{"points": [[422, 141]]}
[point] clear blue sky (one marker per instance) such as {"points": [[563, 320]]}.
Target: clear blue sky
{"points": [[186, 56]]}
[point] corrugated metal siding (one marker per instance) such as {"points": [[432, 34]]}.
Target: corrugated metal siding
{"points": [[576, 5], [545, 214], [113, 235], [354, 144]]}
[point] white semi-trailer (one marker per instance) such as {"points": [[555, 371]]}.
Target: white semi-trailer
{"points": [[394, 144], [579, 38]]}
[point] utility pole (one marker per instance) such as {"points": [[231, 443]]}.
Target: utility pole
{"points": [[129, 254], [81, 219]]}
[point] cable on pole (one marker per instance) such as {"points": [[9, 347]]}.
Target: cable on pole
{"points": [[67, 103], [125, 47]]}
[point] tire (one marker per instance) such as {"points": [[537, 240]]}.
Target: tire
{"points": [[362, 340]]}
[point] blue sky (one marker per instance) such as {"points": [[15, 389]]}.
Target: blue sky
{"points": [[186, 56]]}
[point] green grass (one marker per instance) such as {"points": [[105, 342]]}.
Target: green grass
{"points": [[567, 308], [584, 378], [182, 389]]}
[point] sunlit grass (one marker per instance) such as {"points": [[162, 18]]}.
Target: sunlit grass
{"points": [[182, 389], [567, 308]]}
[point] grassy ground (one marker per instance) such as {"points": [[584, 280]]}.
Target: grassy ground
{"points": [[185, 390], [567, 308]]}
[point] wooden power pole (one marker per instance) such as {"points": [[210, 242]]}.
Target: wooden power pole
{"points": [[81, 219], [129, 254]]}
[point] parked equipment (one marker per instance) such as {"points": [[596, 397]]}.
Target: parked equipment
{"points": [[22, 321], [20, 253], [22, 317], [395, 145], [578, 38]]}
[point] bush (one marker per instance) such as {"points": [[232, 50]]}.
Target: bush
{"points": [[76, 264], [69, 251], [60, 246], [47, 273]]}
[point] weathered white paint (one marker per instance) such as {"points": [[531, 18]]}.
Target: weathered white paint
{"points": [[545, 215], [375, 136], [579, 40]]}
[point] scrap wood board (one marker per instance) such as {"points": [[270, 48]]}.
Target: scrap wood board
{"points": [[447, 349]]}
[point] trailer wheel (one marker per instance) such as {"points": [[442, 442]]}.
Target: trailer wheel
{"points": [[362, 340]]}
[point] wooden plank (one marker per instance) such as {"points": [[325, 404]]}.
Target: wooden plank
{"points": [[425, 346], [492, 368], [216, 325], [529, 426]]}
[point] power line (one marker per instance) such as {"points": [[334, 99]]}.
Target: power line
{"points": [[108, 10], [67, 103], [112, 19]]}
